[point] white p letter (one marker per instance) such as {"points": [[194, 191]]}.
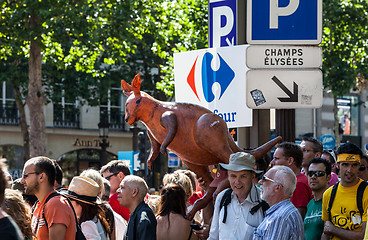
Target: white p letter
{"points": [[276, 11], [219, 31]]}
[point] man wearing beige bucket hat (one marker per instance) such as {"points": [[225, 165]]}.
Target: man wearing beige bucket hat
{"points": [[52, 219], [83, 193], [238, 210]]}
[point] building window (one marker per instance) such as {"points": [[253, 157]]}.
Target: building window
{"points": [[9, 114], [66, 112], [348, 113], [111, 107], [75, 162]]}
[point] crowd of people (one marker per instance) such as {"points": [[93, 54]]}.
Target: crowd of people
{"points": [[305, 192]]}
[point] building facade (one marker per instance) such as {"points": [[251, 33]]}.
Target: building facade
{"points": [[72, 134]]}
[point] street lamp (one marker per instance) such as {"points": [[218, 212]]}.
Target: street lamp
{"points": [[103, 126]]}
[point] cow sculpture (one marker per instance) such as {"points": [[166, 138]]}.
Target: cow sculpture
{"points": [[198, 136]]}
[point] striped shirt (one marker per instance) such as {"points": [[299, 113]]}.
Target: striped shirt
{"points": [[282, 221]]}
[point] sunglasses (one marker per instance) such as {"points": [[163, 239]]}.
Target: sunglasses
{"points": [[316, 173], [362, 168], [25, 175], [108, 177], [265, 178]]}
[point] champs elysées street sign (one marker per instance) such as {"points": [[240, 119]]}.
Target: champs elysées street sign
{"points": [[284, 56]]}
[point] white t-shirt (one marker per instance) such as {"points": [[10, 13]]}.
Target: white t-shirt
{"points": [[93, 230]]}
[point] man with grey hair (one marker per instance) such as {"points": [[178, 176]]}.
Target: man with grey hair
{"points": [[142, 222], [282, 220], [238, 210]]}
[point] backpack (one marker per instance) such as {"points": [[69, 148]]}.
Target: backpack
{"points": [[359, 198], [79, 234], [226, 199]]}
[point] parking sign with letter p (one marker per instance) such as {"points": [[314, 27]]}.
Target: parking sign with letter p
{"points": [[222, 23], [284, 21]]}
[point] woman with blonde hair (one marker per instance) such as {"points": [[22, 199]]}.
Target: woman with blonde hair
{"points": [[116, 222], [180, 179], [18, 209]]}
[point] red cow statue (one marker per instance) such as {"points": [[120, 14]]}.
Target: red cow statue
{"points": [[198, 136]]}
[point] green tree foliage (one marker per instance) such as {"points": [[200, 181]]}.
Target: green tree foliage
{"points": [[183, 27], [87, 42], [344, 44], [79, 49], [345, 49]]}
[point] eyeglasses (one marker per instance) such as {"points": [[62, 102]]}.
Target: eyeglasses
{"points": [[265, 178], [316, 173], [307, 150], [362, 168], [108, 177], [25, 175]]}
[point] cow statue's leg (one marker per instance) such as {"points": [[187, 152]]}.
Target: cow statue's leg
{"points": [[204, 173], [168, 121], [155, 150], [211, 134]]}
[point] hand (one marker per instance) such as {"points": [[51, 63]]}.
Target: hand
{"points": [[328, 228], [204, 233], [202, 183]]}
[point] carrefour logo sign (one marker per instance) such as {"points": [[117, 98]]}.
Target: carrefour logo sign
{"points": [[214, 78], [224, 75]]}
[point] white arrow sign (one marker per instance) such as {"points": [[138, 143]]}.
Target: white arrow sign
{"points": [[284, 89], [284, 56]]}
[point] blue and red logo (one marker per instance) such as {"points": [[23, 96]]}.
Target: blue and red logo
{"points": [[224, 76]]}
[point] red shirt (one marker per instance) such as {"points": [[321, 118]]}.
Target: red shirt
{"points": [[115, 205], [302, 193], [195, 197]]}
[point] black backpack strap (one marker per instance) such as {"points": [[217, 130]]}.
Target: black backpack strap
{"points": [[262, 204], [79, 234], [359, 199], [332, 198], [34, 207], [47, 199], [225, 200]]}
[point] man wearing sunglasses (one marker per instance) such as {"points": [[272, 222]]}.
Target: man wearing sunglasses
{"points": [[341, 212], [115, 172], [52, 219], [319, 174], [282, 220], [363, 169]]}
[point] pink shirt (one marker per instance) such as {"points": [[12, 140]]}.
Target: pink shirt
{"points": [[334, 179]]}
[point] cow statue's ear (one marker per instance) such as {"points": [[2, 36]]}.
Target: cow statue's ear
{"points": [[127, 89], [136, 85]]}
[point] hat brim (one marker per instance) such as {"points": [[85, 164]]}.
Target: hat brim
{"points": [[237, 168], [81, 200]]}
